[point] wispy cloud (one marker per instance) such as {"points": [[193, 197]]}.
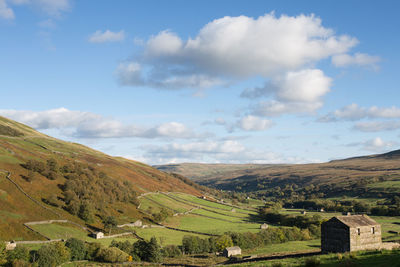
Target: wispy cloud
{"points": [[377, 126], [359, 59], [375, 145], [90, 125], [354, 112], [5, 11], [107, 36]]}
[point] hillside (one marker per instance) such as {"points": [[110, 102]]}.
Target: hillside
{"points": [[370, 176], [200, 171], [70, 181]]}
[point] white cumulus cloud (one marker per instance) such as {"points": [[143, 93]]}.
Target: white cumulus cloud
{"points": [[90, 125], [106, 36], [233, 48], [294, 92]]}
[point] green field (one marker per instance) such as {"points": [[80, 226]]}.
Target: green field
{"points": [[164, 236], [292, 246], [209, 217], [210, 226], [206, 203], [388, 224], [65, 231], [170, 203], [60, 231], [217, 215]]}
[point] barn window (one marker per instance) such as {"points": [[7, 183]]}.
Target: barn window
{"points": [[358, 231], [373, 230]]}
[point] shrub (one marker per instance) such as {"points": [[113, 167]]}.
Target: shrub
{"points": [[92, 250], [53, 254], [112, 254], [171, 251], [77, 248], [19, 253], [20, 263], [7, 130]]}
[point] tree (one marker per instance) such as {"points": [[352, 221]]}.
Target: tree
{"points": [[19, 253], [77, 248], [110, 222], [3, 253], [53, 254], [92, 250], [154, 251], [223, 242], [85, 212], [112, 254], [52, 165]]}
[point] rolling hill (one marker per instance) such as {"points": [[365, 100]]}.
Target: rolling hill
{"points": [[370, 176], [44, 178]]}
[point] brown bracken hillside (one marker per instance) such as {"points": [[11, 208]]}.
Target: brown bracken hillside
{"points": [[53, 179]]}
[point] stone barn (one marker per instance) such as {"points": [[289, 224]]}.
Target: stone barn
{"points": [[138, 223], [98, 235], [231, 251], [350, 233]]}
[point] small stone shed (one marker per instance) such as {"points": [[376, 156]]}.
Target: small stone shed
{"points": [[98, 235], [350, 233], [264, 226], [138, 223], [232, 251], [11, 245]]}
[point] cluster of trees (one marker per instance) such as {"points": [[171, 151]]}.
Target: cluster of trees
{"points": [[305, 222], [391, 207], [196, 245], [162, 215], [73, 249], [141, 250], [272, 236], [329, 205], [85, 190], [7, 130]]}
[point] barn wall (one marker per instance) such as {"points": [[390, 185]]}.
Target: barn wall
{"points": [[366, 239], [335, 237]]}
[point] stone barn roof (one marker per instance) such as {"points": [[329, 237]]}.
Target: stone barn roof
{"points": [[232, 248], [357, 220]]}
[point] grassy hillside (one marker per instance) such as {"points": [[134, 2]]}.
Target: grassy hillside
{"points": [[61, 177], [200, 171], [369, 176]]}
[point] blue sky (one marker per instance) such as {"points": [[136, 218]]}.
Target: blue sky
{"points": [[205, 81]]}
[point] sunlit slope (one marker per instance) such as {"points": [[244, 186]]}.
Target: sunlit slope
{"points": [[99, 175]]}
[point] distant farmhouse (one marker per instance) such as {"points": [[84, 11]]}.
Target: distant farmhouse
{"points": [[231, 251], [350, 233], [98, 235]]}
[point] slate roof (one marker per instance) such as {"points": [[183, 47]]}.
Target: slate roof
{"points": [[357, 220], [232, 248]]}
